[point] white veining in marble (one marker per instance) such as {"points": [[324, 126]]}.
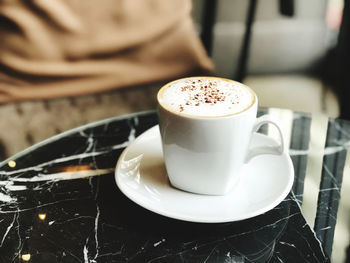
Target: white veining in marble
{"points": [[310, 228], [86, 154], [63, 176], [159, 242], [14, 182], [85, 251], [7, 198], [96, 226], [8, 229], [327, 151]]}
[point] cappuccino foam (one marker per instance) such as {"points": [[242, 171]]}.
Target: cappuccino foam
{"points": [[207, 97]]}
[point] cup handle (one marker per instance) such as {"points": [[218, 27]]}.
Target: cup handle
{"points": [[266, 149]]}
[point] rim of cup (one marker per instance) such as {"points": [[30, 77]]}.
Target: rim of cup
{"points": [[167, 108]]}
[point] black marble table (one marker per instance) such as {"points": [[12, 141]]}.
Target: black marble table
{"points": [[59, 203]]}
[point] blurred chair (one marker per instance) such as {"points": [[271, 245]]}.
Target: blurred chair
{"points": [[341, 76], [288, 41]]}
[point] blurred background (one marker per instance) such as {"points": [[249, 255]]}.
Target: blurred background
{"points": [[286, 50], [68, 63]]}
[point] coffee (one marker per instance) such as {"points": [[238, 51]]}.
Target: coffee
{"points": [[203, 96]]}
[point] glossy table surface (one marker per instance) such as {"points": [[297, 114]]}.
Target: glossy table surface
{"points": [[59, 202]]}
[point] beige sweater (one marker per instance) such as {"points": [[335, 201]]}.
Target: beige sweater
{"points": [[56, 48]]}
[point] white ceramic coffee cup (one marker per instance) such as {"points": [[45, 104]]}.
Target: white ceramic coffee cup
{"points": [[205, 155]]}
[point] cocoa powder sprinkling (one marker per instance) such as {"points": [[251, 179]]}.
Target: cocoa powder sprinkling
{"points": [[207, 92], [207, 97]]}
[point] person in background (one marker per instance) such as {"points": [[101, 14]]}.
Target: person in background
{"points": [[63, 48]]}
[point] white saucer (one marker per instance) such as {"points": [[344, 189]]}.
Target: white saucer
{"points": [[140, 174]]}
